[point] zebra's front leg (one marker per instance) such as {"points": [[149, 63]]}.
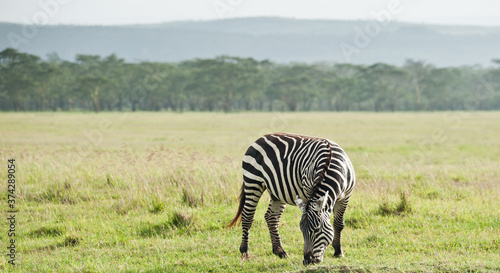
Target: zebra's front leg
{"points": [[338, 226], [252, 197], [272, 216]]}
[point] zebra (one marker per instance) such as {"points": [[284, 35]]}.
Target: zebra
{"points": [[313, 173]]}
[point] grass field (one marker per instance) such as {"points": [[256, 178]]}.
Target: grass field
{"points": [[153, 192]]}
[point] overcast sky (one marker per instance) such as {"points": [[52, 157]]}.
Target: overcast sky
{"points": [[113, 12]]}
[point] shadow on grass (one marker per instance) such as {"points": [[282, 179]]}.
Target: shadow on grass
{"points": [[355, 223], [179, 222], [424, 267], [69, 241], [339, 269], [46, 232]]}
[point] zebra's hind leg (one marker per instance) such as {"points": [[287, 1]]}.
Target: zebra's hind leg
{"points": [[338, 225], [253, 192], [272, 216]]}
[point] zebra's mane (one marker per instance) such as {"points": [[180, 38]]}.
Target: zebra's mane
{"points": [[321, 175]]}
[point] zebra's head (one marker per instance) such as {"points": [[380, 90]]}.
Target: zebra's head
{"points": [[316, 228]]}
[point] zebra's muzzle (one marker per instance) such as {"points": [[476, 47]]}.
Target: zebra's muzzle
{"points": [[309, 258]]}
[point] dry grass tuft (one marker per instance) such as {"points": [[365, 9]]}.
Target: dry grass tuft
{"points": [[72, 240], [190, 199], [180, 220], [156, 206], [400, 209]]}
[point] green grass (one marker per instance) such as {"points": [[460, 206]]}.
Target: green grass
{"points": [[153, 192]]}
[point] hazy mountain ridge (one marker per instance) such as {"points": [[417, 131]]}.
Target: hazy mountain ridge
{"points": [[277, 39]]}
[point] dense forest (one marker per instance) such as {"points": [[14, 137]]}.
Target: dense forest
{"points": [[226, 83]]}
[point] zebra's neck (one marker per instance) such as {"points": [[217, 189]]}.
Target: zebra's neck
{"points": [[317, 170]]}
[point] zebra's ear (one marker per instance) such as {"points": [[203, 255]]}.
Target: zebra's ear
{"points": [[321, 202], [301, 204]]}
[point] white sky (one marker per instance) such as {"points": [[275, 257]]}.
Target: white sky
{"points": [[113, 12]]}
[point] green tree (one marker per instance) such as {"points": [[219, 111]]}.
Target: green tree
{"points": [[294, 85], [342, 86], [417, 72], [438, 84], [18, 72], [250, 82], [92, 80], [384, 86]]}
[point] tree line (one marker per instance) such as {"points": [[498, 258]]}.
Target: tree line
{"points": [[227, 83]]}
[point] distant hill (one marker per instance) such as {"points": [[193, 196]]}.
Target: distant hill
{"points": [[277, 39]]}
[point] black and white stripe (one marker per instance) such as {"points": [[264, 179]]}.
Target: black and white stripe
{"points": [[313, 173]]}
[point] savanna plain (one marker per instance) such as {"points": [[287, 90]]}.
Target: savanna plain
{"points": [[153, 192]]}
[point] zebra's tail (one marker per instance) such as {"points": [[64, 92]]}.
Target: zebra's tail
{"points": [[240, 207]]}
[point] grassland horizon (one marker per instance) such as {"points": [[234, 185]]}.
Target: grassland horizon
{"points": [[153, 192]]}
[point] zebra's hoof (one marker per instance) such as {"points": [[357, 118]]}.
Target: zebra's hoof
{"points": [[280, 252], [282, 255], [245, 256], [338, 255]]}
